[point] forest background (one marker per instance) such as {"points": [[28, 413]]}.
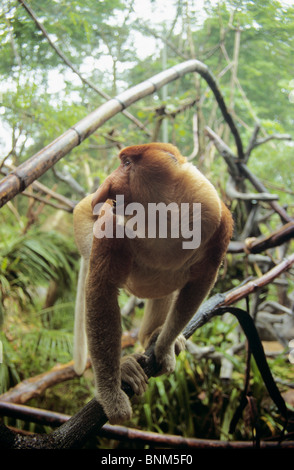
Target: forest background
{"points": [[55, 74]]}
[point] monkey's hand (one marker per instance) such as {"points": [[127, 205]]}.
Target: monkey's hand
{"points": [[116, 403], [165, 353], [133, 374], [117, 407]]}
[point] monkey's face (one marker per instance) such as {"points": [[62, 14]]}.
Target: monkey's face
{"points": [[147, 173]]}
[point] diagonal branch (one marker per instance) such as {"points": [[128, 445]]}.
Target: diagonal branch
{"points": [[39, 163], [75, 70], [237, 169], [257, 245]]}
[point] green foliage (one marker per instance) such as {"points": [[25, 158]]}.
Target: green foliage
{"points": [[9, 375], [40, 98], [27, 264], [164, 396], [33, 260]]}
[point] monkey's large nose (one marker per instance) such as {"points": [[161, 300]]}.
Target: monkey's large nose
{"points": [[102, 193]]}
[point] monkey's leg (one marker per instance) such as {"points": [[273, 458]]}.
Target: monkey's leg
{"points": [[203, 276], [156, 311], [188, 301]]}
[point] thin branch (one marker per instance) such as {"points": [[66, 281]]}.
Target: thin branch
{"points": [[75, 70], [13, 147], [271, 137], [7, 156], [254, 142], [143, 26], [237, 168], [70, 181], [195, 150], [241, 292], [43, 200], [246, 100], [233, 193], [37, 186]]}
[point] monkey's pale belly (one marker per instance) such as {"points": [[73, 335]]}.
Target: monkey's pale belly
{"points": [[155, 285]]}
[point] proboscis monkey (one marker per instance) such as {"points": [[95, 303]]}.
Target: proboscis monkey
{"points": [[123, 245]]}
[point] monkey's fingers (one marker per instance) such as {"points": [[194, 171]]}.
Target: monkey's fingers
{"points": [[133, 374], [180, 344]]}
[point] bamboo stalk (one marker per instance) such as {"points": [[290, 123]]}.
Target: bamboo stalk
{"points": [[39, 163]]}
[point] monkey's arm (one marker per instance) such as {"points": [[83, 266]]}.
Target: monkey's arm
{"points": [[109, 264]]}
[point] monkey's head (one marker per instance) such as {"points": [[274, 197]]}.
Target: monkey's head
{"points": [[147, 173]]}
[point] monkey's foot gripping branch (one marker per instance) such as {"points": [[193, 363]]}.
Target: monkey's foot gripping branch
{"points": [[133, 374]]}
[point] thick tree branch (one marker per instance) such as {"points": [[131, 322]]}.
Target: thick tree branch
{"points": [[257, 245], [35, 386], [225, 151], [122, 433], [40, 187]]}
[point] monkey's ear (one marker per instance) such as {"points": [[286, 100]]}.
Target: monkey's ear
{"points": [[102, 193]]}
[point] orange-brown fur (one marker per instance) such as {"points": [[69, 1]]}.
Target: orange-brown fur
{"points": [[175, 281]]}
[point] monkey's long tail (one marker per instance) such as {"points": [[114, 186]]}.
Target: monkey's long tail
{"points": [[80, 351]]}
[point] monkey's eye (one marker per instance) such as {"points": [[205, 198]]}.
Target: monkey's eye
{"points": [[126, 162]]}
